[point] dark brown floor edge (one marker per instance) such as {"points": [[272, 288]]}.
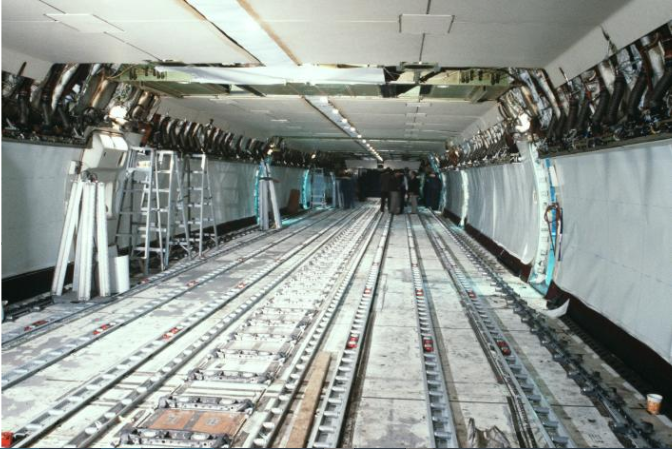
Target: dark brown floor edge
{"points": [[28, 285], [508, 259], [451, 216], [640, 365]]}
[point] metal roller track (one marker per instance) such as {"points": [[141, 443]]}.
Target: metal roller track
{"points": [[531, 405], [125, 405], [73, 345], [624, 423], [275, 411], [441, 423], [15, 338], [80, 397], [326, 430]]}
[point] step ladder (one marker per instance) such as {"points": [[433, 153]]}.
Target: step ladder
{"points": [[150, 213], [198, 205]]}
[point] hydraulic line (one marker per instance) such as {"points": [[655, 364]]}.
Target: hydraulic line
{"points": [[620, 87], [636, 96], [662, 87], [584, 114]]}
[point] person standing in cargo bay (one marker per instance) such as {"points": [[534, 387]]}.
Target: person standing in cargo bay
{"points": [[385, 183], [413, 192], [395, 193]]}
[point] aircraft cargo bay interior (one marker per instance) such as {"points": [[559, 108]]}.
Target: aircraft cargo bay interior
{"points": [[336, 223]]}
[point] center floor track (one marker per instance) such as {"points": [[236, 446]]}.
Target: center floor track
{"points": [[430, 346]]}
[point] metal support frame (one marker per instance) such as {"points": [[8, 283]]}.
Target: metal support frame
{"points": [[132, 399], [270, 419], [440, 417], [326, 429], [79, 398], [75, 344]]}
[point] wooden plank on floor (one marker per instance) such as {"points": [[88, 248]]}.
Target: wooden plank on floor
{"points": [[304, 417]]}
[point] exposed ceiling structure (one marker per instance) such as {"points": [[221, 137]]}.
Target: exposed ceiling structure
{"points": [[413, 113]]}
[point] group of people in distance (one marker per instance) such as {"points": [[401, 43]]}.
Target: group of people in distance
{"points": [[397, 188]]}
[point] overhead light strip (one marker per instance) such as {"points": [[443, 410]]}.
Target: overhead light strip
{"points": [[323, 105]]}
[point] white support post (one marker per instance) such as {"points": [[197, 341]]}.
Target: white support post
{"points": [[274, 204], [85, 243], [101, 237], [67, 238]]}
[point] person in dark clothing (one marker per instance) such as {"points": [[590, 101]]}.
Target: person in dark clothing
{"points": [[395, 193], [348, 190], [413, 192], [402, 190], [432, 191], [385, 184]]}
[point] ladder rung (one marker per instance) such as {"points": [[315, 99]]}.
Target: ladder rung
{"points": [[144, 210], [150, 249], [152, 229]]}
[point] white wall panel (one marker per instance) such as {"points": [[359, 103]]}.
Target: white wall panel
{"points": [[617, 242], [34, 180], [502, 205], [455, 193]]}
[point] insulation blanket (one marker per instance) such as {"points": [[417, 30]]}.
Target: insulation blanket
{"points": [[502, 205], [34, 184], [455, 194], [617, 242]]}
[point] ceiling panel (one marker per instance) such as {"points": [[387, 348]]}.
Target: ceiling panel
{"points": [[26, 10], [322, 42], [66, 44], [341, 10], [163, 29], [501, 45], [568, 12], [185, 41], [131, 10]]}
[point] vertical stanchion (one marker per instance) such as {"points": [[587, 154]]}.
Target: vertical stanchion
{"points": [[101, 236], [67, 238]]}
